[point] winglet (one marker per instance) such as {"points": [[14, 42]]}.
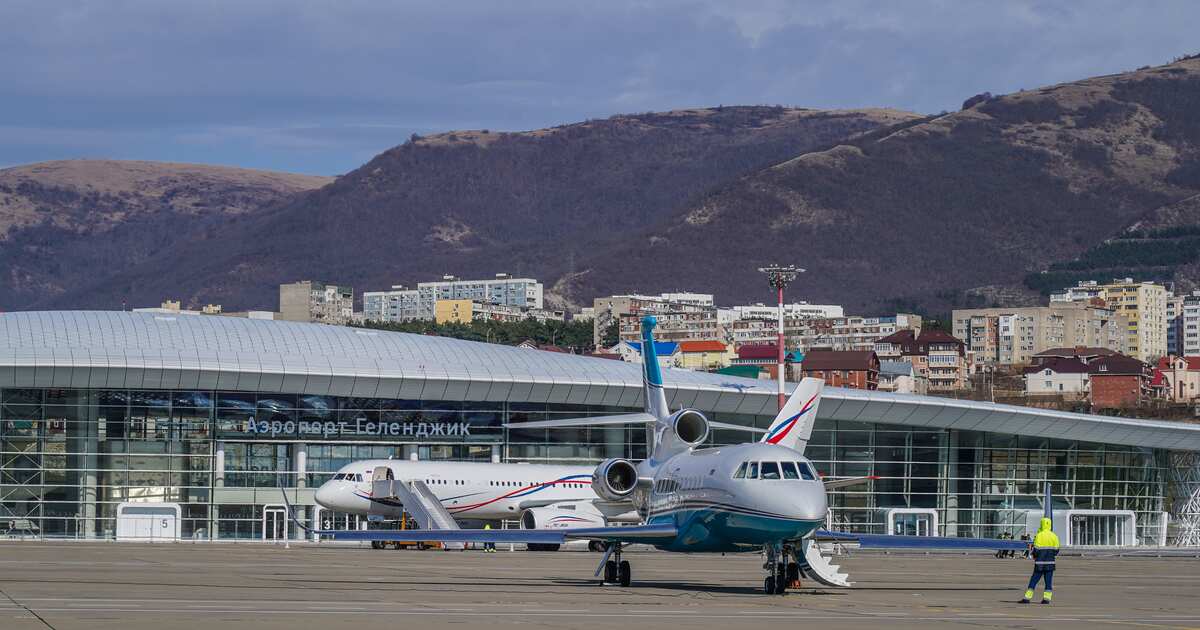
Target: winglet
{"points": [[794, 424]]}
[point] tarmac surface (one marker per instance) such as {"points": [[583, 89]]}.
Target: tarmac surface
{"points": [[180, 586]]}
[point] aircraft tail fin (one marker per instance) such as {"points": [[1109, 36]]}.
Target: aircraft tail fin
{"points": [[652, 381], [794, 424]]}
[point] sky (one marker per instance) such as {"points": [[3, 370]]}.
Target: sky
{"points": [[321, 87]]}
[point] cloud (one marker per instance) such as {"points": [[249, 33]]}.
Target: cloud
{"points": [[312, 86]]}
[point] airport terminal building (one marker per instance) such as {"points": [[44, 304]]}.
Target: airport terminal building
{"points": [[203, 419]]}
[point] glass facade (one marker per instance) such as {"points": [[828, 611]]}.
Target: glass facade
{"points": [[69, 457]]}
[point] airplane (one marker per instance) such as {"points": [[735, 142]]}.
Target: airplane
{"points": [[540, 496], [753, 496]]}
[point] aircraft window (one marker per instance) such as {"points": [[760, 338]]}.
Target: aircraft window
{"points": [[741, 472], [806, 472], [752, 472], [789, 470], [770, 470]]}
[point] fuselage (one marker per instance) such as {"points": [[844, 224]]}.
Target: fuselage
{"points": [[468, 490], [734, 498]]}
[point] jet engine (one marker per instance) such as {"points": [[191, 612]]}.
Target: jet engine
{"points": [[690, 426], [560, 517], [615, 479]]}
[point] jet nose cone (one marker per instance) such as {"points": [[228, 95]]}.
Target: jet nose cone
{"points": [[326, 495]]}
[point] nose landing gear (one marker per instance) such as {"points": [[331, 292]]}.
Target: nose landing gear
{"points": [[782, 571]]}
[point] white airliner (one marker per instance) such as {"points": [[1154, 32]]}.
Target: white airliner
{"points": [[746, 497], [540, 495]]}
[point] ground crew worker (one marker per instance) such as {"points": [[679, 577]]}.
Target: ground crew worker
{"points": [[1045, 548], [489, 547]]}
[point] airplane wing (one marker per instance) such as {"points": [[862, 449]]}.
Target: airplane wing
{"points": [[625, 418], [648, 534], [883, 541]]}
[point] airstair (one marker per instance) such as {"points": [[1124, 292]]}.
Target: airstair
{"points": [[418, 500], [818, 567]]}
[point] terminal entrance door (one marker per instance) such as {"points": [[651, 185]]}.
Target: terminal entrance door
{"points": [[274, 522], [912, 522], [1102, 530]]}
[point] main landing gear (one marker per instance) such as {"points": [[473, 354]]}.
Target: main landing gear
{"points": [[782, 570], [616, 570]]}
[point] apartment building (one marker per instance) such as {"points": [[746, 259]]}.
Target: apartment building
{"points": [[1183, 325], [312, 301], [681, 316], [1013, 336], [835, 333], [402, 303], [795, 310], [1143, 304], [466, 311], [704, 355], [935, 355]]}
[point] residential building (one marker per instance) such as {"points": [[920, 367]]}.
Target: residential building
{"points": [[320, 302], [902, 378], [1059, 376], [1082, 353], [399, 304], [1144, 306], [631, 352], [1183, 325], [795, 310], [690, 317], [934, 354], [465, 311], [1181, 378], [175, 307], [1118, 381], [704, 355], [402, 303], [856, 369], [1012, 336], [836, 333]]}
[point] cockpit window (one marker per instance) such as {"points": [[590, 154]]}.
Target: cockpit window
{"points": [[741, 472], [789, 470], [770, 470], [806, 471], [752, 472]]}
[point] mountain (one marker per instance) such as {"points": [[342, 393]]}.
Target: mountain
{"points": [[998, 202], [474, 203], [940, 212], [65, 225]]}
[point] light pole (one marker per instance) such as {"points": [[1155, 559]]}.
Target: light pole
{"points": [[779, 276]]}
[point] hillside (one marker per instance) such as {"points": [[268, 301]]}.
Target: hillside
{"points": [[475, 203], [927, 213], [66, 224]]}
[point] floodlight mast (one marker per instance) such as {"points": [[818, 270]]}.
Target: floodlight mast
{"points": [[779, 276]]}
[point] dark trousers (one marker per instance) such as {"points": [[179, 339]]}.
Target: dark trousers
{"points": [[1041, 571]]}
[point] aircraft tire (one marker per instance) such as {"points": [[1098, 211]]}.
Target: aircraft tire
{"points": [[610, 572], [769, 585], [624, 574]]}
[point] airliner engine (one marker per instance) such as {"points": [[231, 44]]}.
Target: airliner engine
{"points": [[690, 426], [561, 517], [615, 479]]}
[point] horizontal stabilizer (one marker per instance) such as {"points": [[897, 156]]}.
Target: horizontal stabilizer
{"points": [[883, 541]]}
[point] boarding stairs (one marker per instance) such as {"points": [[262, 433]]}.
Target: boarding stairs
{"points": [[418, 500], [817, 566]]}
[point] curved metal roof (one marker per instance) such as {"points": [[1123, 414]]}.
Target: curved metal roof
{"points": [[109, 349]]}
